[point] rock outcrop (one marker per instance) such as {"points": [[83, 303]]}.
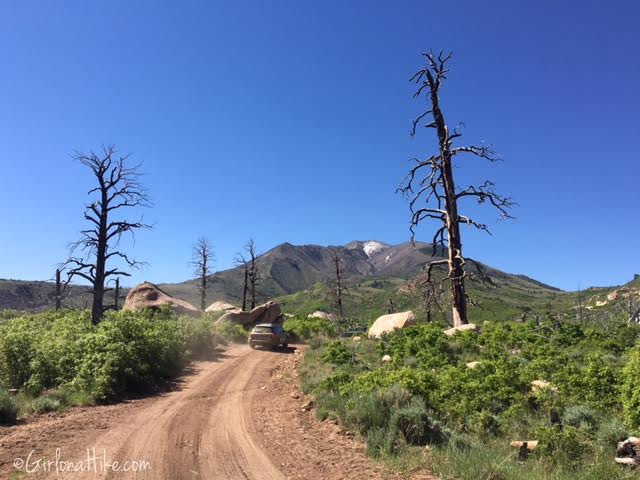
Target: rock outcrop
{"points": [[269, 312], [389, 323], [149, 295], [220, 306], [467, 327], [323, 315]]}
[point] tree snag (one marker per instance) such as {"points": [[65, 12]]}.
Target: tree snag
{"points": [[118, 188], [337, 289], [252, 272], [431, 183], [241, 261], [202, 260], [61, 289]]}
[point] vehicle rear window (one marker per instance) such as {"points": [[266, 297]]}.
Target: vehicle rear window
{"points": [[262, 330]]}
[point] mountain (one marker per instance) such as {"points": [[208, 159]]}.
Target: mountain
{"points": [[289, 268], [285, 269]]}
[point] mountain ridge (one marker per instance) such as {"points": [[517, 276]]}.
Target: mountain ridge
{"points": [[285, 268]]}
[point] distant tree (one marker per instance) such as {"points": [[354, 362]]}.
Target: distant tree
{"points": [[253, 270], [117, 189], [337, 289], [202, 261], [391, 307], [430, 185]]}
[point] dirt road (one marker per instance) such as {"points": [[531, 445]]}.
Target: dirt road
{"points": [[229, 419]]}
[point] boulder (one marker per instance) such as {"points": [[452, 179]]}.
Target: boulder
{"points": [[540, 385], [386, 359], [628, 451], [269, 312], [149, 295], [467, 327], [220, 306], [323, 315], [473, 365], [389, 323]]}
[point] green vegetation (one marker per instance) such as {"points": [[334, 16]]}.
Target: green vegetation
{"points": [[631, 391], [59, 359], [8, 407], [304, 329], [468, 415], [231, 332]]}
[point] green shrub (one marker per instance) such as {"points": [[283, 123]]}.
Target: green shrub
{"points": [[580, 416], [631, 391], [8, 408], [566, 445], [305, 329], [45, 403], [337, 354], [413, 425], [231, 332], [130, 353], [198, 337]]}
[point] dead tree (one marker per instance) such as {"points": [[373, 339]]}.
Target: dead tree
{"points": [[241, 261], [116, 294], [61, 289], [118, 189], [431, 189], [337, 288], [252, 271], [202, 260]]}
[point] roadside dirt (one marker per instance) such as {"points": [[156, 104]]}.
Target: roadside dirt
{"points": [[238, 417]]}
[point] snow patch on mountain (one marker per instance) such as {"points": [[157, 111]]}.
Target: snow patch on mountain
{"points": [[372, 247]]}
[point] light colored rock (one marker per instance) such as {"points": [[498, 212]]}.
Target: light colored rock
{"points": [[628, 451], [473, 365], [540, 385], [386, 359], [389, 323], [269, 312], [221, 306], [468, 327], [149, 295], [612, 296], [323, 315], [357, 338], [531, 444]]}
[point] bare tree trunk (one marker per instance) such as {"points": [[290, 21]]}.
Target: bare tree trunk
{"points": [[58, 290], [118, 188], [437, 187], [245, 288], [97, 307], [254, 272], [339, 289], [202, 259], [116, 294], [456, 261]]}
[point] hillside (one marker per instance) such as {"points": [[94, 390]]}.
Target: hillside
{"points": [[288, 269]]}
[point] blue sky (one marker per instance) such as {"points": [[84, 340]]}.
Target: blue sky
{"points": [[289, 121]]}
